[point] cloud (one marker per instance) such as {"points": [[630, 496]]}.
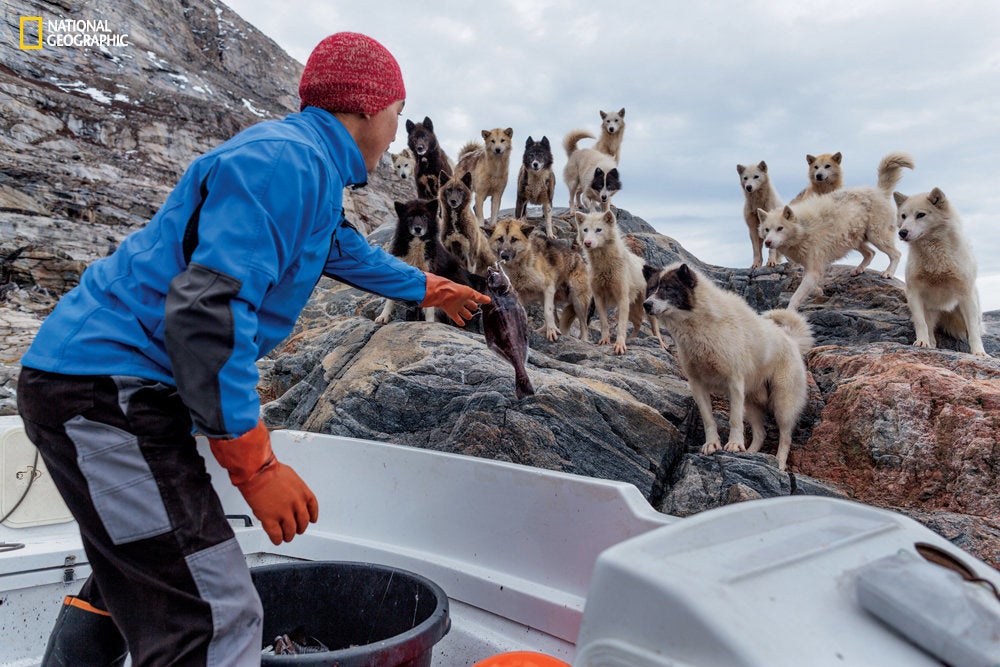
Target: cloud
{"points": [[706, 86]]}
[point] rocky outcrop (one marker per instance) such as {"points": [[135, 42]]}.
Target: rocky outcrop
{"points": [[886, 423], [632, 418]]}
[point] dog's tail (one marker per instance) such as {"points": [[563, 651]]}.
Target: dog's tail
{"points": [[571, 139], [793, 324], [468, 156], [890, 170]]}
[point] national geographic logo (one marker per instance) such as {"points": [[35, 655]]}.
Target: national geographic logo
{"points": [[36, 32]]}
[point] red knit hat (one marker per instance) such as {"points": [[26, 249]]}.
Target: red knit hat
{"points": [[351, 72]]}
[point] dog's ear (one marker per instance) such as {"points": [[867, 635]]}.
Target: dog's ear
{"points": [[604, 115], [609, 217], [761, 214], [579, 217], [400, 209], [788, 213], [648, 272], [428, 124], [837, 157], [509, 132], [598, 172], [762, 166], [613, 173], [740, 169], [622, 112], [937, 199], [687, 276], [899, 197], [467, 179], [810, 158], [410, 125], [529, 142], [485, 133], [544, 141]]}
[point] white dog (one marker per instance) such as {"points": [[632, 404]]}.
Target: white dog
{"points": [[940, 271], [725, 347], [820, 230]]}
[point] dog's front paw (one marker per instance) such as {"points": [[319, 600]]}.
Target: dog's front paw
{"points": [[552, 333], [920, 342], [605, 340], [736, 446], [620, 347], [857, 271], [886, 274], [381, 319], [711, 447]]}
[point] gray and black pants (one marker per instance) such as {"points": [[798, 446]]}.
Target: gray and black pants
{"points": [[164, 558]]}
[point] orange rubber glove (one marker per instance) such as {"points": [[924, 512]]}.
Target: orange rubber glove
{"points": [[279, 498], [458, 301]]}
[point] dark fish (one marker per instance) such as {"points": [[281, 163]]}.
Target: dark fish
{"points": [[506, 327]]}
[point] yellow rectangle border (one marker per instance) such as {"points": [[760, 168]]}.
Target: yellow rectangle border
{"points": [[25, 19]]}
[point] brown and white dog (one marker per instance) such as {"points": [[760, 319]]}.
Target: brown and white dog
{"points": [[825, 175], [460, 231], [547, 271], [489, 164], [536, 182]]}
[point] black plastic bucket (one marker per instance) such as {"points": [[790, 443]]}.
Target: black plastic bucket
{"points": [[367, 614]]}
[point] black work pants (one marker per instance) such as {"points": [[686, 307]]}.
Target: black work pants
{"points": [[163, 555]]}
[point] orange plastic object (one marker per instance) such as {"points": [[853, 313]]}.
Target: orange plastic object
{"points": [[521, 659]]}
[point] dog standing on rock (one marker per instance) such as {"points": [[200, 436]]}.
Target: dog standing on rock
{"points": [[536, 182], [725, 347], [489, 164], [820, 230], [758, 193], [940, 271], [432, 164], [616, 278], [612, 133]]}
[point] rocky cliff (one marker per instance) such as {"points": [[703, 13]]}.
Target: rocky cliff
{"points": [[92, 141]]}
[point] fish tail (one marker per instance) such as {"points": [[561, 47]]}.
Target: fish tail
{"points": [[522, 385]]}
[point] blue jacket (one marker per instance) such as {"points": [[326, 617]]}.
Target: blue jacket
{"points": [[219, 275]]}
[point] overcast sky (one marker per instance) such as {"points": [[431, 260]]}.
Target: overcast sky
{"points": [[705, 85]]}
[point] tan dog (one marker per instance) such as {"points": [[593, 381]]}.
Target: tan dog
{"points": [[489, 165], [581, 165], [820, 230], [460, 232], [825, 175], [758, 193], [612, 133], [616, 278], [725, 347], [547, 271], [940, 271], [403, 163]]}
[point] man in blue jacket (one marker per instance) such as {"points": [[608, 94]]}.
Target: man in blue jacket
{"points": [[160, 340]]}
